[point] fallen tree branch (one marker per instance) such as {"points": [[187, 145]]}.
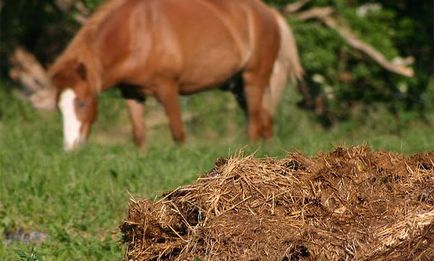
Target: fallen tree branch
{"points": [[317, 12], [34, 79], [324, 15], [294, 7], [83, 12]]}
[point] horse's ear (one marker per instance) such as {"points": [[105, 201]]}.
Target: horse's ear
{"points": [[81, 71]]}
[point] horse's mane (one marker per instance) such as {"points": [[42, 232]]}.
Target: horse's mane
{"points": [[80, 48]]}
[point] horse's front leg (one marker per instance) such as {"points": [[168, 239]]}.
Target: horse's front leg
{"points": [[167, 94], [135, 106], [136, 111]]}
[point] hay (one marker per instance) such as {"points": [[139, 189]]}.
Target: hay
{"points": [[349, 204]]}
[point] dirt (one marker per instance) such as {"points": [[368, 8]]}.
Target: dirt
{"points": [[352, 203]]}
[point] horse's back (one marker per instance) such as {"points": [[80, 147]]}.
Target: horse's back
{"points": [[201, 43], [210, 40]]}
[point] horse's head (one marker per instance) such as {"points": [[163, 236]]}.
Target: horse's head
{"points": [[77, 102]]}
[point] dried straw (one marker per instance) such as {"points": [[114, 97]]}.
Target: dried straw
{"points": [[348, 204]]}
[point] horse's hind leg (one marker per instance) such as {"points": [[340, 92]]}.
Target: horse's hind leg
{"points": [[167, 95], [260, 121], [267, 125], [135, 105]]}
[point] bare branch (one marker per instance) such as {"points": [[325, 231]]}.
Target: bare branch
{"points": [[315, 13], [83, 12], [81, 19], [34, 79], [294, 7], [324, 15]]}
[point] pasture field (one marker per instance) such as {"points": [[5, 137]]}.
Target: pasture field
{"points": [[79, 199]]}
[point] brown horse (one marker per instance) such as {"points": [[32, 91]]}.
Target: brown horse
{"points": [[168, 47]]}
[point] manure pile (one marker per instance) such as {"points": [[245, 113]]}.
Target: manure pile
{"points": [[348, 204]]}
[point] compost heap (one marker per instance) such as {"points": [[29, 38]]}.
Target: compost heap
{"points": [[349, 204]]}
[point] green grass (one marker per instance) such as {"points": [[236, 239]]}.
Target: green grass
{"points": [[80, 198]]}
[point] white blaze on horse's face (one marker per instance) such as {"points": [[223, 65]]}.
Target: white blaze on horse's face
{"points": [[71, 123]]}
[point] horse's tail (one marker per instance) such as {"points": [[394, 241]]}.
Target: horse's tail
{"points": [[286, 67]]}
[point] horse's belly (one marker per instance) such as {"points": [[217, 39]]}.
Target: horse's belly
{"points": [[209, 72]]}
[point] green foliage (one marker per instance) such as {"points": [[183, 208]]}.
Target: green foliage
{"points": [[33, 256]]}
